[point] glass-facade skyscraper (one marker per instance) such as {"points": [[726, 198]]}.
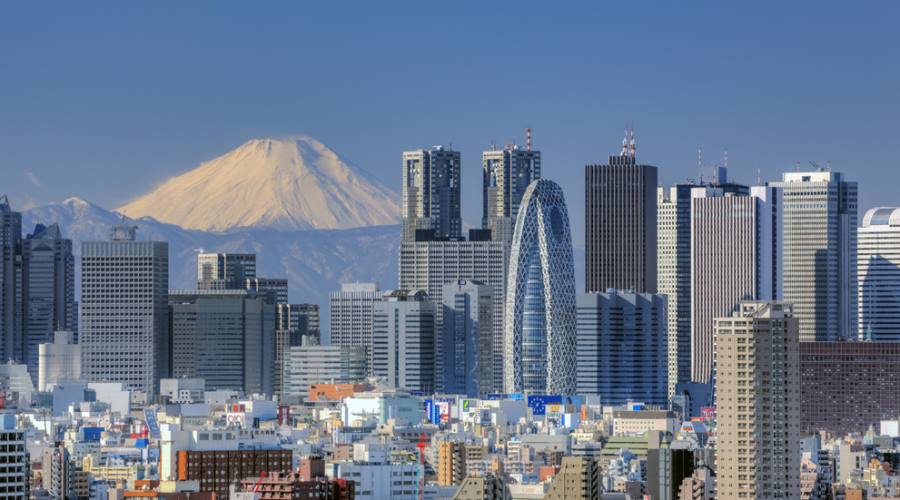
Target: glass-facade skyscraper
{"points": [[539, 338]]}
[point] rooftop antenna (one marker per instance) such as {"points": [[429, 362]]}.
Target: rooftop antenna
{"points": [[700, 163], [726, 158], [624, 151], [828, 165], [528, 138], [493, 146], [758, 176], [633, 147]]}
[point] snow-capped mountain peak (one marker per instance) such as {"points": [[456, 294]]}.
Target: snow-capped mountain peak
{"points": [[293, 183]]}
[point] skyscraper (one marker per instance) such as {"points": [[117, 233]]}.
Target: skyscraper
{"points": [[621, 338], [429, 265], [468, 337], [673, 271], [226, 337], [734, 257], [124, 310], [506, 174], [351, 311], [48, 289], [10, 282], [403, 340], [878, 269], [620, 219], [228, 271], [820, 252], [431, 193], [758, 402], [673, 268], [539, 338], [295, 325], [274, 290]]}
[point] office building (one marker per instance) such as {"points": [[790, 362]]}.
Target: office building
{"points": [[848, 386], [48, 279], [224, 271], [578, 479], [878, 270], [673, 272], [11, 321], [468, 337], [429, 265], [673, 269], [58, 361], [15, 468], [305, 366], [226, 337], [431, 194], [539, 339], [295, 325], [820, 252], [734, 257], [351, 311], [124, 311], [274, 290], [620, 224], [621, 339], [506, 174], [667, 468], [758, 402], [403, 341]]}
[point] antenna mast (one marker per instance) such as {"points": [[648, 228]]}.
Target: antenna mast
{"points": [[528, 138]]}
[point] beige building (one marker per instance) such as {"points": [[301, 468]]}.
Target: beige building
{"points": [[636, 423], [451, 463], [578, 478], [758, 395]]}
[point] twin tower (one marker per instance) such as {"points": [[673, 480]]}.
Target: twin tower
{"points": [[526, 219]]}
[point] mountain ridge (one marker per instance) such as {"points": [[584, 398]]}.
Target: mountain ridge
{"points": [[289, 183]]}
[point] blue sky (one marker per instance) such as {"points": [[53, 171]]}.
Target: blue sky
{"points": [[106, 100]]}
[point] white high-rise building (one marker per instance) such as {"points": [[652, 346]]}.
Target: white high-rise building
{"points": [[403, 341], [758, 402], [58, 361], [124, 311], [539, 340], [431, 193], [820, 252], [878, 269], [734, 257], [314, 364], [429, 265], [351, 311]]}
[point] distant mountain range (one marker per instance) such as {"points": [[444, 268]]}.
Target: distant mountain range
{"points": [[287, 184], [314, 261]]}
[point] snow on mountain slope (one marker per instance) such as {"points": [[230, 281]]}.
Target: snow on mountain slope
{"points": [[295, 183], [314, 261]]}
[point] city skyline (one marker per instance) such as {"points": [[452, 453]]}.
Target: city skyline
{"points": [[769, 112]]}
